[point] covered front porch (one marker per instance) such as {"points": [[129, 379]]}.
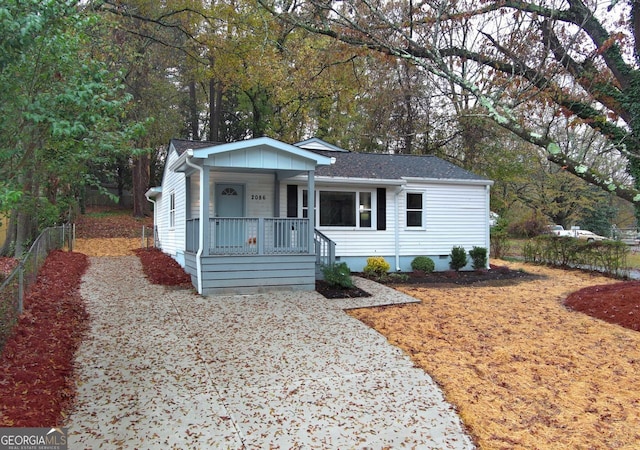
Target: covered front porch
{"points": [[248, 255], [237, 238]]}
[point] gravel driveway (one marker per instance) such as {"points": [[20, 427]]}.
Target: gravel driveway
{"points": [[165, 368]]}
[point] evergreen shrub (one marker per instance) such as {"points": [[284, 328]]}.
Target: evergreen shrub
{"points": [[338, 274], [423, 264], [478, 257], [458, 258]]}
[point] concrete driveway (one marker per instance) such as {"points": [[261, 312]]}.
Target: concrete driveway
{"points": [[165, 368]]}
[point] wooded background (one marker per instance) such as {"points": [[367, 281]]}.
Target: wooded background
{"points": [[543, 98]]}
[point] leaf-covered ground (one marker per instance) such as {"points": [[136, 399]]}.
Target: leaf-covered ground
{"points": [[36, 364], [110, 223], [523, 370]]}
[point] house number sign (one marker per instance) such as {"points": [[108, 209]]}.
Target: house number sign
{"points": [[258, 197]]}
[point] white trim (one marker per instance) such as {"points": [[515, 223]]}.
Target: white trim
{"points": [[172, 209], [379, 182], [423, 219], [373, 211], [203, 153], [200, 221], [448, 181]]}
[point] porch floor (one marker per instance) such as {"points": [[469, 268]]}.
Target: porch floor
{"points": [[169, 368]]}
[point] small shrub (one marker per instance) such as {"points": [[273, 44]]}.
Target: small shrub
{"points": [[458, 258], [338, 274], [398, 277], [423, 264], [478, 257], [376, 266], [500, 244]]}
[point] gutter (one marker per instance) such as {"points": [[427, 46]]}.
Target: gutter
{"points": [[187, 161]]}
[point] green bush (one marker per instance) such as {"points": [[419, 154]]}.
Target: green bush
{"points": [[395, 277], [500, 244], [609, 257], [458, 258], [338, 274], [423, 263], [376, 266], [478, 257]]}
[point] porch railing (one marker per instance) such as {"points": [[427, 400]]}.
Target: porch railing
{"points": [[251, 236], [325, 249]]}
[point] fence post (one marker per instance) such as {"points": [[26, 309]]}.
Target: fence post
{"points": [[20, 288]]}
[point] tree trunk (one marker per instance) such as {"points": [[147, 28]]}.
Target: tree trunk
{"points": [[140, 185], [5, 250], [215, 110], [193, 111]]}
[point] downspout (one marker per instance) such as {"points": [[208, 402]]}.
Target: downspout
{"points": [[155, 217], [397, 227], [488, 225], [200, 222]]}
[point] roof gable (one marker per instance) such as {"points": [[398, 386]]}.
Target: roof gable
{"points": [[258, 153]]}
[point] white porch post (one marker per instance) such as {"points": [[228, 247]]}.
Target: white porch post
{"points": [[205, 228], [311, 199]]}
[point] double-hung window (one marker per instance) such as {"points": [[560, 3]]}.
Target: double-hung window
{"points": [[415, 210], [172, 210]]}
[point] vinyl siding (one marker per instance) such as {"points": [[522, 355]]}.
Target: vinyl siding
{"points": [[172, 240], [454, 215]]}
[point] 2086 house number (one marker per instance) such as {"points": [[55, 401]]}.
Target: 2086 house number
{"points": [[258, 197]]}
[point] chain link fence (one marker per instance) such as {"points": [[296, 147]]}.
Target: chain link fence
{"points": [[18, 282]]}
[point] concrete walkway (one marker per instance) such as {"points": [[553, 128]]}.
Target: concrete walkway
{"points": [[167, 368]]}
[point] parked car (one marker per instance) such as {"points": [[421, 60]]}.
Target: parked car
{"points": [[559, 230], [576, 232], [588, 236]]}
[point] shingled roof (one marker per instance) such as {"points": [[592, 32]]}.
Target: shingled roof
{"points": [[182, 145], [392, 167], [368, 165]]}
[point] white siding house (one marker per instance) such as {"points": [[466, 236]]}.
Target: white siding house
{"points": [[261, 230]]}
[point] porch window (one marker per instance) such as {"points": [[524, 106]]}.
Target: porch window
{"points": [[172, 210], [415, 210]]}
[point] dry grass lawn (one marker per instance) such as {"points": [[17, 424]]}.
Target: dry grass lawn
{"points": [[523, 371], [107, 246]]}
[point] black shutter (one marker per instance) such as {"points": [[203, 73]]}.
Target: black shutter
{"points": [[382, 208], [292, 200]]}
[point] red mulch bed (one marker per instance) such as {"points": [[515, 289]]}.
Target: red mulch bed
{"points": [[614, 303], [6, 266], [162, 269], [36, 363]]}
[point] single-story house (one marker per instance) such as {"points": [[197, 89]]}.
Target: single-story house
{"points": [[239, 217]]}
